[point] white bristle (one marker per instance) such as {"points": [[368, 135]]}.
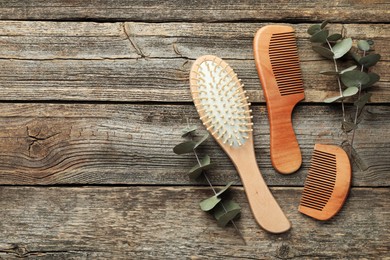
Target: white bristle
{"points": [[221, 101]]}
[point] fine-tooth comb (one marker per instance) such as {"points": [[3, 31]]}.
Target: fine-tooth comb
{"points": [[327, 184], [223, 108], [277, 63]]}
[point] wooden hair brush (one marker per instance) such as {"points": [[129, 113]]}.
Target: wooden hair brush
{"points": [[223, 108], [277, 63], [327, 184]]}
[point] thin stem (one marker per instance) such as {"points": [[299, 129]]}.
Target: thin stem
{"points": [[338, 81], [357, 110], [215, 193]]}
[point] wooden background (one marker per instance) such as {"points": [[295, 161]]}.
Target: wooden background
{"points": [[93, 96]]}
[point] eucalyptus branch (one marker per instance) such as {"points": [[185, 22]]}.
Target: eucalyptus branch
{"points": [[224, 210], [338, 80], [215, 193], [357, 109], [350, 81]]}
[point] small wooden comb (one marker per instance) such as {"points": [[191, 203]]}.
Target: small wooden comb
{"points": [[277, 63], [327, 184]]}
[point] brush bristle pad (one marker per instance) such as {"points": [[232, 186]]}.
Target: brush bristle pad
{"points": [[220, 100]]}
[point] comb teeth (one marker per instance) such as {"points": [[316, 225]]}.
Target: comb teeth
{"points": [[283, 53], [320, 181], [220, 100]]}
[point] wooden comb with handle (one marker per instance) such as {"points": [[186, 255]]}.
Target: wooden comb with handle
{"points": [[223, 108], [277, 63], [327, 184]]}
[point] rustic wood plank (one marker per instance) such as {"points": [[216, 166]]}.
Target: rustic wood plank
{"points": [[166, 222], [161, 80], [148, 62], [132, 144], [157, 11]]}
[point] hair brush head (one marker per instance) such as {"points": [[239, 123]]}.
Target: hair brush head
{"points": [[221, 101]]}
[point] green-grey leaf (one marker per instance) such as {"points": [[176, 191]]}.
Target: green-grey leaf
{"points": [[363, 100], [363, 45], [348, 69], [350, 91], [348, 126], [225, 188], [224, 217], [354, 78], [209, 203], [332, 99], [341, 48], [323, 24], [374, 78], [204, 138], [313, 29], [370, 60], [358, 160], [320, 36], [334, 37], [329, 72], [185, 147], [323, 51], [356, 56], [188, 130], [205, 164]]}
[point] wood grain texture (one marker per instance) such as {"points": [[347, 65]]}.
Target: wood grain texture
{"points": [[149, 61], [166, 222], [157, 11], [132, 144]]}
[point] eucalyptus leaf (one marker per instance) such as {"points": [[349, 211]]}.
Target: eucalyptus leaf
{"points": [[348, 69], [332, 99], [323, 51], [189, 130], [370, 41], [363, 100], [370, 60], [350, 91], [356, 56], [334, 37], [320, 36], [205, 163], [313, 29], [354, 78], [348, 126], [204, 138], [359, 161], [329, 72], [323, 24], [363, 45], [209, 203], [224, 188], [224, 217], [374, 78], [185, 147], [341, 48]]}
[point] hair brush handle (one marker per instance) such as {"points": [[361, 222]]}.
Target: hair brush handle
{"points": [[265, 208]]}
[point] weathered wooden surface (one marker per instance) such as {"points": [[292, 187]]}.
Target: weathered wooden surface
{"points": [[132, 144], [231, 10], [94, 93], [166, 223], [149, 61]]}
